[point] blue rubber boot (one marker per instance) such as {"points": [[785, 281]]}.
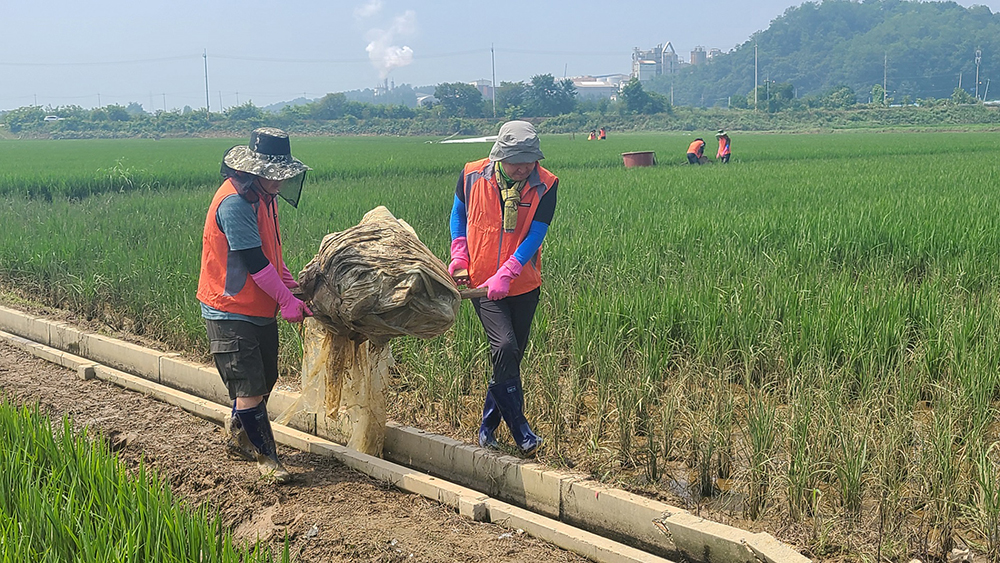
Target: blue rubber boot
{"points": [[491, 421], [238, 444], [258, 429], [510, 398]]}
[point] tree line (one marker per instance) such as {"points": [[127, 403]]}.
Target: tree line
{"points": [[919, 50]]}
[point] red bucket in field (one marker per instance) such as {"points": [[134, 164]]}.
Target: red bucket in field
{"points": [[640, 158]]}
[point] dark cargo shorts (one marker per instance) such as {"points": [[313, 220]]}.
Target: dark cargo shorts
{"points": [[246, 356]]}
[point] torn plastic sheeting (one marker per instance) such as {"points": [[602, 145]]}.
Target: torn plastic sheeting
{"points": [[376, 281]]}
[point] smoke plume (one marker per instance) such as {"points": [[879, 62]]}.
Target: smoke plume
{"points": [[383, 51]]}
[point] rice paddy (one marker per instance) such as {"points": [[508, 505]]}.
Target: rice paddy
{"points": [[806, 337]]}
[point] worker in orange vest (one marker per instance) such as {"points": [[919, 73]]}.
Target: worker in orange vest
{"points": [[601, 135], [244, 282], [696, 151], [501, 212], [723, 153]]}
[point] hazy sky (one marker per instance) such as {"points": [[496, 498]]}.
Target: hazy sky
{"points": [[114, 51]]}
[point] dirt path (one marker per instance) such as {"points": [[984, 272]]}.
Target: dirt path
{"points": [[331, 513]]}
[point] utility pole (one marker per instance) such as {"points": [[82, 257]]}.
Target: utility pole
{"points": [[885, 74], [755, 77], [164, 101], [98, 99], [220, 101], [979, 56], [208, 113], [493, 66], [987, 92]]}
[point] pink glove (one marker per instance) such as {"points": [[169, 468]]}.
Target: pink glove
{"points": [[292, 309], [459, 255], [498, 286], [287, 278]]}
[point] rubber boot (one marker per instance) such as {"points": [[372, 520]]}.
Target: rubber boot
{"points": [[509, 398], [258, 429], [491, 421], [238, 444]]}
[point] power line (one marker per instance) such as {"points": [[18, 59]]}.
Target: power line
{"points": [[100, 63]]}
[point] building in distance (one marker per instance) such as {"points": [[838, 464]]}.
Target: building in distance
{"points": [[659, 60], [605, 86]]}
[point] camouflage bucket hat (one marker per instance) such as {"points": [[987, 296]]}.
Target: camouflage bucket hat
{"points": [[268, 155], [516, 143]]}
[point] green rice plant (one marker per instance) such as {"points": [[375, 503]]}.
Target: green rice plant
{"points": [[836, 267], [940, 477], [891, 466], [628, 392], [550, 396], [852, 464], [761, 443], [670, 420], [984, 510], [66, 498], [802, 474], [701, 443], [723, 422], [649, 399]]}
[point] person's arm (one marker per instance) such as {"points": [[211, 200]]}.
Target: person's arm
{"points": [[238, 221], [459, 219], [458, 268], [539, 226]]}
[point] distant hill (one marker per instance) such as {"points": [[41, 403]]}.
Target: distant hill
{"points": [[277, 107], [923, 48]]}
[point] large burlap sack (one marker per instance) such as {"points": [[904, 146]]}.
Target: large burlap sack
{"points": [[376, 281]]}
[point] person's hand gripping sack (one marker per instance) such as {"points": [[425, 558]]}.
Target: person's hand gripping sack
{"points": [[293, 309], [498, 285], [459, 266]]}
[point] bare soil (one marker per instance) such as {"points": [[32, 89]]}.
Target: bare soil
{"points": [[329, 513]]}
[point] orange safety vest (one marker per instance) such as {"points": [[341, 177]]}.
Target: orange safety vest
{"points": [[723, 147], [233, 290], [489, 245], [697, 147]]}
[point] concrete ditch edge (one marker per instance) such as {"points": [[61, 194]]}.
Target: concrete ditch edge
{"points": [[572, 498], [465, 501]]}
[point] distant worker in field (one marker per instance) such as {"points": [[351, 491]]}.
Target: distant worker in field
{"points": [[723, 153], [696, 151], [502, 209], [601, 135], [592, 136], [244, 283]]}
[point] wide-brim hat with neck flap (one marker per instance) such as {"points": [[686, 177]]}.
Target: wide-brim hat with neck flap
{"points": [[269, 155]]}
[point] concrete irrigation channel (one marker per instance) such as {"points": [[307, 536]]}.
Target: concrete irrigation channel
{"points": [[564, 508]]}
